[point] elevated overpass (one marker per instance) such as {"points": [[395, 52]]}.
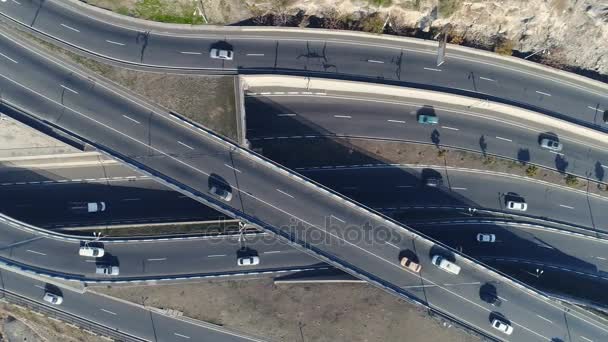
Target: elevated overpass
{"points": [[332, 228]]}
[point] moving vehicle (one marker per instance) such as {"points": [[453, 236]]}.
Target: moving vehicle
{"points": [[88, 207], [605, 118], [248, 261], [221, 54], [52, 298], [433, 182], [221, 192], [445, 264], [481, 237], [517, 205], [107, 270], [428, 119], [96, 252], [501, 326], [551, 144], [410, 264]]}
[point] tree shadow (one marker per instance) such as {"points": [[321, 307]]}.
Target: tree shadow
{"points": [[561, 164], [599, 171], [483, 145], [523, 156]]}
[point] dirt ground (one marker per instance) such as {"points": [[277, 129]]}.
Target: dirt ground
{"points": [[18, 324], [311, 312]]}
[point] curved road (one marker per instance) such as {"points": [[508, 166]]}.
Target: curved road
{"points": [[274, 116], [90, 109], [308, 52]]}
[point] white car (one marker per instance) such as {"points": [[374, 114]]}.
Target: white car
{"points": [[88, 207], [107, 270], [481, 237], [52, 298], [551, 144], [221, 54], [502, 326], [517, 206], [248, 261], [445, 264], [95, 252], [221, 193]]}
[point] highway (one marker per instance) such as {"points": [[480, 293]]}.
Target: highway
{"points": [[130, 197], [133, 320], [274, 116], [147, 259], [167, 147], [309, 52], [389, 188]]}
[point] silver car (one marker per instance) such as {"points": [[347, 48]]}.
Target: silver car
{"points": [[517, 205], [52, 298], [221, 54], [481, 237], [221, 193], [551, 144]]}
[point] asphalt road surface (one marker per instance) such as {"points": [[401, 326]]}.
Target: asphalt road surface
{"points": [[204, 256], [138, 132], [52, 194], [131, 319], [388, 188], [282, 116], [309, 53], [189, 157]]}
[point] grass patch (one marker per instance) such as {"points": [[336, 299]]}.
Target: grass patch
{"points": [[167, 12], [210, 228], [531, 170], [571, 180], [373, 23], [381, 3], [504, 47]]}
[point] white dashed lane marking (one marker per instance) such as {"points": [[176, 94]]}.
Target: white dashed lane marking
{"points": [[70, 28], [543, 93]]}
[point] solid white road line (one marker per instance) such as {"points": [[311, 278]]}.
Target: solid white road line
{"points": [[487, 79], [432, 69], [452, 128], [343, 116], [108, 311], [596, 108], [566, 206], [543, 93], [216, 255], [115, 43], [180, 335], [188, 146], [230, 167], [290, 114], [31, 251], [396, 121], [505, 139], [191, 53], [70, 28], [337, 218], [543, 318], [392, 245], [284, 193], [255, 54], [137, 122], [7, 57], [68, 89], [375, 61]]}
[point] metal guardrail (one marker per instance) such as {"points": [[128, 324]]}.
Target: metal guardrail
{"points": [[70, 319], [303, 246]]}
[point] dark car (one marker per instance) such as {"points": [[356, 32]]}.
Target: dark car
{"points": [[605, 116]]}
